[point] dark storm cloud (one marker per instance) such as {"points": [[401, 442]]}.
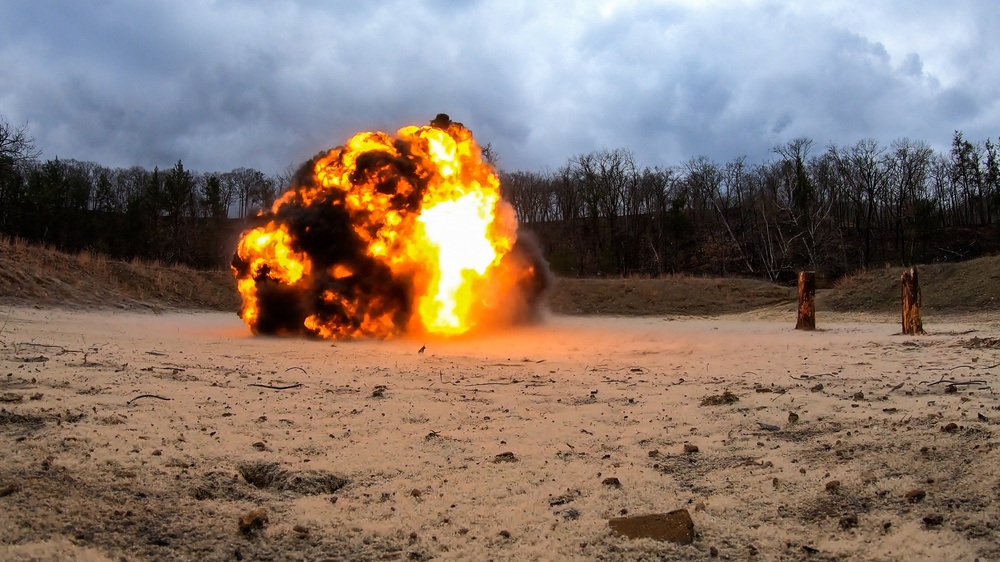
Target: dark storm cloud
{"points": [[266, 84]]}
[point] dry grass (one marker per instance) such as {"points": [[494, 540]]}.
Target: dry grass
{"points": [[33, 274], [972, 285], [676, 294]]}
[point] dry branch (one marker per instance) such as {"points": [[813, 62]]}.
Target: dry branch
{"points": [[273, 387], [158, 397]]}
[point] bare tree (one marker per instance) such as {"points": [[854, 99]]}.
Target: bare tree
{"points": [[864, 169], [17, 147]]}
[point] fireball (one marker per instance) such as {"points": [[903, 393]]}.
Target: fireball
{"points": [[389, 234]]}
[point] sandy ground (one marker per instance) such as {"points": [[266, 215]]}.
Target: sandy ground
{"points": [[500, 447]]}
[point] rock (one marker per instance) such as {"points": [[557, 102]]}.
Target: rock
{"points": [[934, 520], [505, 457], [950, 428], [569, 514], [612, 482], [833, 485], [817, 388], [792, 417], [260, 446], [655, 453], [981, 417], [675, 526], [849, 521], [713, 552], [689, 448], [915, 495], [859, 395], [253, 521]]}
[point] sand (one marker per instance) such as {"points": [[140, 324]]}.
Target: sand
{"points": [[133, 436]]}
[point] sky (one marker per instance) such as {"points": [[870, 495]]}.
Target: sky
{"points": [[267, 84]]}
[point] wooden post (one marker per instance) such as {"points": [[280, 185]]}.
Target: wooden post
{"points": [[912, 323], [807, 301]]}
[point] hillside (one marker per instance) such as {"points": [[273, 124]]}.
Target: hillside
{"points": [[35, 275]]}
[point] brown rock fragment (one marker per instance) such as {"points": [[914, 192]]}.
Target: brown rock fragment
{"points": [[934, 520], [792, 417], [915, 495], [833, 485], [675, 526], [253, 521], [689, 448]]}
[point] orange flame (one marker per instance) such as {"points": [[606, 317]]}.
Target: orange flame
{"points": [[417, 237]]}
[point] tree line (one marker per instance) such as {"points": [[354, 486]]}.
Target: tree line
{"points": [[173, 215], [837, 209]]}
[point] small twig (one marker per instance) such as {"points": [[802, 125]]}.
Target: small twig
{"points": [[492, 383], [952, 382], [33, 344], [272, 387], [5, 320], [812, 377], [148, 396], [299, 368], [950, 369]]}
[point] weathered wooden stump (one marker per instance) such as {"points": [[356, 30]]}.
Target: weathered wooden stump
{"points": [[807, 301], [912, 323]]}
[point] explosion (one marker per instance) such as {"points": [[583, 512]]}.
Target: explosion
{"points": [[386, 235]]}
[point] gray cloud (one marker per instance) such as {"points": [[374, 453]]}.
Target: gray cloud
{"points": [[265, 84]]}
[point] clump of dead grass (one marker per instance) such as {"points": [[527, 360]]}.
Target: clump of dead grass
{"points": [[37, 274]]}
